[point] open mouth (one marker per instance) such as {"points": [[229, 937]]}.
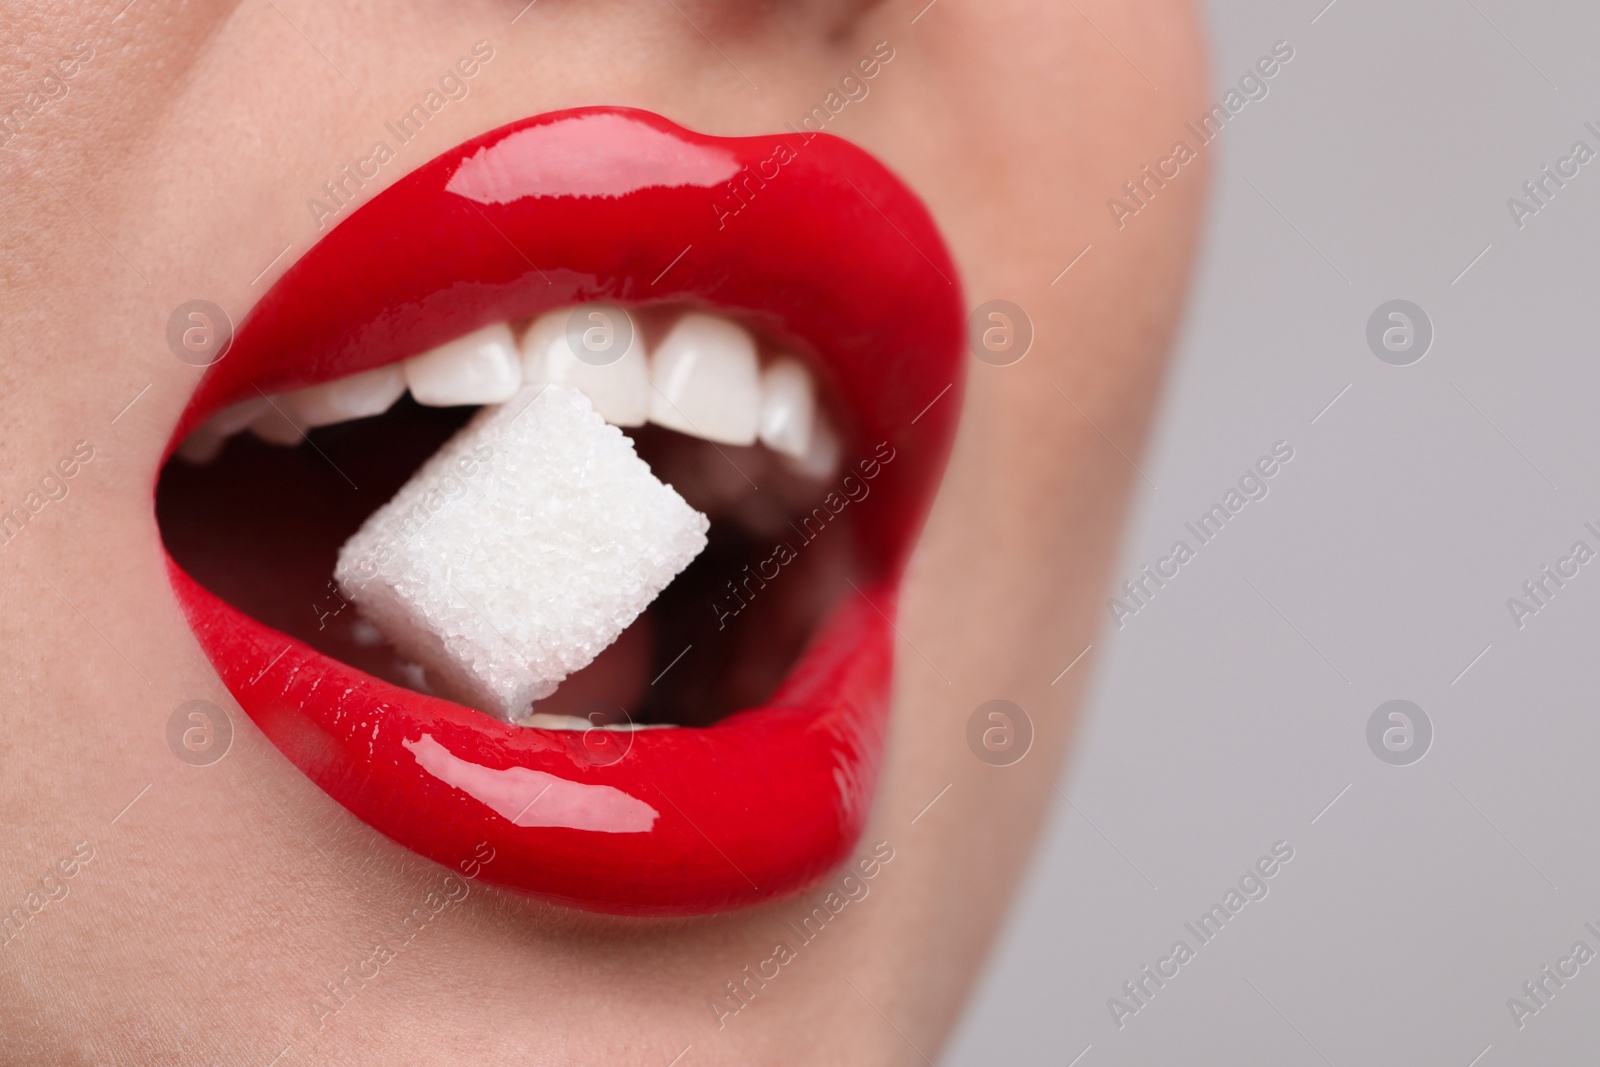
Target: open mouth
{"points": [[776, 326]]}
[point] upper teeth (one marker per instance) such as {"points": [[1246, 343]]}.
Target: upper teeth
{"points": [[609, 366], [480, 368], [788, 408], [371, 392], [704, 379]]}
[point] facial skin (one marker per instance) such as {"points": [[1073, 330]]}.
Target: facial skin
{"points": [[177, 164]]}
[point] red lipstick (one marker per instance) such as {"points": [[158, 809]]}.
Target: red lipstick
{"points": [[805, 237]]}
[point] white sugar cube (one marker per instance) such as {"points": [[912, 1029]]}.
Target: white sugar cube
{"points": [[520, 550]]}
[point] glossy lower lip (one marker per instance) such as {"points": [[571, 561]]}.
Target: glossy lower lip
{"points": [[804, 236]]}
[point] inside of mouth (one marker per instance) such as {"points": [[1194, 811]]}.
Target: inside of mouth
{"points": [[261, 525]]}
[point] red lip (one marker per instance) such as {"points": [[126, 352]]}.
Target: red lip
{"points": [[805, 235]]}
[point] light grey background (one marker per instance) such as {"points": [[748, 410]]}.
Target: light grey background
{"points": [[1227, 714]]}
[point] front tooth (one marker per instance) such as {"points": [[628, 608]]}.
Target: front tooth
{"points": [[479, 368], [619, 388], [358, 396], [706, 381], [275, 426], [788, 408]]}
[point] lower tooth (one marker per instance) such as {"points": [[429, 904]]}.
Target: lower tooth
{"points": [[539, 720]]}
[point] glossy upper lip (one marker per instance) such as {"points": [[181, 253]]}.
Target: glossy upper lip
{"points": [[804, 236]]}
